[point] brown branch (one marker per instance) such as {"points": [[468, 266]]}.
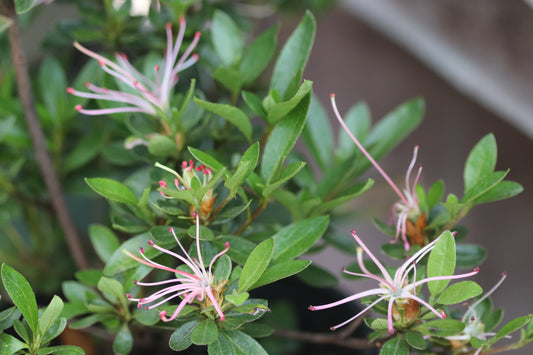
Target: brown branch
{"points": [[39, 143], [339, 338]]}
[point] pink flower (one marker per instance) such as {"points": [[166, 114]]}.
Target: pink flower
{"points": [[407, 206], [189, 286], [397, 289], [147, 96]]}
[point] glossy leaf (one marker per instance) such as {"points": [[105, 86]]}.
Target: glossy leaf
{"points": [[258, 55], [21, 294], [395, 346], [256, 264], [293, 57], [240, 247], [503, 190], [61, 350], [123, 343], [484, 185], [276, 111], [459, 292], [112, 290], [512, 326], [205, 332], [50, 314], [104, 241], [112, 190], [52, 86], [358, 121], [227, 38], [181, 338], [254, 103], [415, 340], [162, 146], [480, 162], [244, 169], [470, 255], [280, 271], [282, 140], [317, 134], [441, 327], [441, 262], [10, 345], [236, 343], [297, 238], [231, 113]]}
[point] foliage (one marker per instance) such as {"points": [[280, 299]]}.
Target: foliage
{"points": [[200, 176]]}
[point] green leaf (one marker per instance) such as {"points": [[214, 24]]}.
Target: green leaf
{"points": [[345, 195], [52, 86], [285, 175], [469, 255], [112, 190], [206, 159], [227, 38], [394, 127], [84, 152], [258, 54], [317, 134], [112, 290], [256, 264], [257, 330], [104, 241], [318, 277], [435, 193], [239, 250], [277, 111], [222, 269], [254, 103], [7, 317], [123, 343], [297, 238], [293, 57], [61, 350], [282, 140], [235, 342], [205, 332], [459, 292], [50, 315], [232, 114], [512, 327], [441, 262], [280, 271], [484, 185], [162, 146], [10, 345], [181, 338], [358, 121], [395, 346], [415, 340], [237, 299], [441, 327], [19, 289], [503, 190], [480, 162], [55, 329], [244, 169], [230, 78]]}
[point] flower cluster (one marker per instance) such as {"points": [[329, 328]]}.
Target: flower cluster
{"points": [[198, 285], [398, 290], [407, 207], [190, 172], [151, 97]]}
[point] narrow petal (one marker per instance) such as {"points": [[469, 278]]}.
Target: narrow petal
{"points": [[374, 291]]}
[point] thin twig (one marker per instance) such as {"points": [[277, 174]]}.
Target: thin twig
{"points": [[39, 143], [323, 338]]}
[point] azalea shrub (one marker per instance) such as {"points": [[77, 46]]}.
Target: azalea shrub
{"points": [[172, 134]]}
